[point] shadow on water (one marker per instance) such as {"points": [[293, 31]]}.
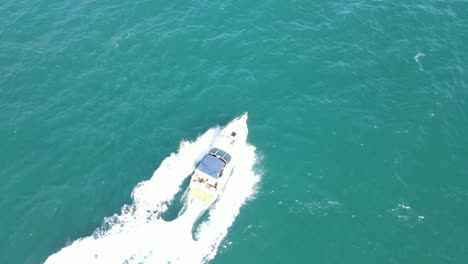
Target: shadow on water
{"points": [[198, 222], [178, 204]]}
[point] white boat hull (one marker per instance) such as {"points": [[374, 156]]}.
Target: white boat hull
{"points": [[213, 172]]}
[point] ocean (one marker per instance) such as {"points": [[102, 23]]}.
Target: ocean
{"points": [[358, 130]]}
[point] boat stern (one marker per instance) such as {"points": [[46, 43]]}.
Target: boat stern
{"points": [[200, 193]]}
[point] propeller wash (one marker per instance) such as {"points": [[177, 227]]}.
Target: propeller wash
{"points": [[140, 235]]}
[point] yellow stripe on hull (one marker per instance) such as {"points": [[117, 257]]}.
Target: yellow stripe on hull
{"points": [[201, 194]]}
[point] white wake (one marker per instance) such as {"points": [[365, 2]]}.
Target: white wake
{"points": [[139, 235]]}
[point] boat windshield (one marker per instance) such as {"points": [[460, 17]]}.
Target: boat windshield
{"points": [[223, 155], [212, 165]]}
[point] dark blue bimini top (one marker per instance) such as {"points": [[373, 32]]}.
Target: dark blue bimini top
{"points": [[211, 166]]}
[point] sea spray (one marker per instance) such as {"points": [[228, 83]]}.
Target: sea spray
{"points": [[140, 235]]}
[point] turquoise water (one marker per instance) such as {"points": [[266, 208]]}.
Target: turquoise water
{"points": [[358, 113]]}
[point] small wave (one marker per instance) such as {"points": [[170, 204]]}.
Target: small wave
{"points": [[416, 59], [406, 214]]}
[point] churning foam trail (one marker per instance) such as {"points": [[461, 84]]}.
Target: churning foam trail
{"points": [[139, 235]]}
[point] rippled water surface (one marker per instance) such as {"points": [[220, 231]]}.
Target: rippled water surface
{"points": [[358, 120]]}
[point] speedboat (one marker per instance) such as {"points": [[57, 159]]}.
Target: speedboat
{"points": [[213, 171]]}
